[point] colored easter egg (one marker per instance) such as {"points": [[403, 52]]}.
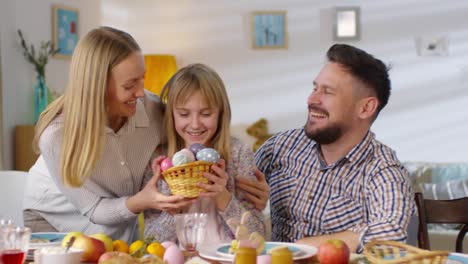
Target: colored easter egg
{"points": [[195, 147], [166, 164], [189, 154], [208, 155], [173, 255], [167, 244], [180, 158]]}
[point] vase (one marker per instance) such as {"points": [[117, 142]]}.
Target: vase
{"points": [[41, 97]]}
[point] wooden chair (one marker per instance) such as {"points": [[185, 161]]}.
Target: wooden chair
{"points": [[442, 212]]}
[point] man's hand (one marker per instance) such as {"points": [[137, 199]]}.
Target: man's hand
{"points": [[257, 191]]}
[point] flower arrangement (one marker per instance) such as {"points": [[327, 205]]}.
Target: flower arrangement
{"points": [[42, 95], [40, 59]]}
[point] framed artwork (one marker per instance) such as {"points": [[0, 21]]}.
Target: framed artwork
{"points": [[64, 30], [269, 30], [347, 24]]}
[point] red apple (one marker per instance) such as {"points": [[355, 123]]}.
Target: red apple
{"points": [[334, 251], [93, 248]]}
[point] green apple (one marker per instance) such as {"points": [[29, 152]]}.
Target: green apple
{"points": [[67, 238], [107, 240]]}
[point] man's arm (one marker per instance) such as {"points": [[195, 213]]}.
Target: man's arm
{"points": [[390, 205], [349, 237]]}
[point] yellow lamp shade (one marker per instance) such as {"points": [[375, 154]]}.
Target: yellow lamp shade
{"points": [[159, 69]]}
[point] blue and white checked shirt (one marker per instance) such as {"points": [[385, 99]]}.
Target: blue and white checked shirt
{"points": [[368, 191]]}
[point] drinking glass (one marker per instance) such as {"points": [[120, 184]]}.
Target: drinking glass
{"points": [[14, 244], [3, 225], [190, 229]]}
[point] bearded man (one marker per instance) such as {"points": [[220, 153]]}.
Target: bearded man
{"points": [[332, 178]]}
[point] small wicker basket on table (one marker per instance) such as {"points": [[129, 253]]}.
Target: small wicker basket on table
{"points": [[391, 252], [183, 180]]}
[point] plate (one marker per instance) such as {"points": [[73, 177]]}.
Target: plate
{"points": [[53, 239], [223, 250], [457, 258], [211, 252]]}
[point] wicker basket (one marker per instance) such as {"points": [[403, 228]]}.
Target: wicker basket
{"points": [[391, 252], [182, 180]]}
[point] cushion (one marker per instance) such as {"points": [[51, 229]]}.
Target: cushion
{"points": [[445, 190], [439, 180]]}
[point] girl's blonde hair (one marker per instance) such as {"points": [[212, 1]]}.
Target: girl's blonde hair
{"points": [[188, 80], [83, 102]]}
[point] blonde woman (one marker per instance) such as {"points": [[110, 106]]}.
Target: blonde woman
{"points": [[198, 111], [96, 142]]}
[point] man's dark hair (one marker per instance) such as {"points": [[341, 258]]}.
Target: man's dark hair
{"points": [[365, 67]]}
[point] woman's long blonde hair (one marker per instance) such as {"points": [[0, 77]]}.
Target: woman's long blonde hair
{"points": [[188, 80], [83, 102]]}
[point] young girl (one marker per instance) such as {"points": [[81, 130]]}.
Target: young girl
{"points": [[198, 111]]}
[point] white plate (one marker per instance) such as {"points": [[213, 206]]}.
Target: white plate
{"points": [[211, 252], [54, 239], [223, 250]]}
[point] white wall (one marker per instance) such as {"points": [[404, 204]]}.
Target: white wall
{"points": [[34, 18], [426, 118]]}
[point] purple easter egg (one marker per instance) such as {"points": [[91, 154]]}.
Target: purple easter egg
{"points": [[208, 154], [195, 147], [166, 164]]}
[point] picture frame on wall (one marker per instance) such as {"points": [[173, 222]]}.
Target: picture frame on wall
{"points": [[65, 28], [269, 30], [347, 23]]}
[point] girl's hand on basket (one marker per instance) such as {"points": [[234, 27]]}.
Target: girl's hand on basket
{"points": [[217, 189], [151, 198]]}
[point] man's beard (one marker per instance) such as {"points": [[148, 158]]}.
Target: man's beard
{"points": [[325, 135]]}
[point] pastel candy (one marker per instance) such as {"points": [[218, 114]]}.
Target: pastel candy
{"points": [[180, 158], [195, 147], [208, 155], [247, 243], [264, 259]]}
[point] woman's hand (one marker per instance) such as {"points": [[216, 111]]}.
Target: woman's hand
{"points": [[151, 198], [217, 187], [256, 191]]}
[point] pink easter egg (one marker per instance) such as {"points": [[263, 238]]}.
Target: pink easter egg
{"points": [[166, 164], [167, 244], [173, 255], [264, 259]]}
